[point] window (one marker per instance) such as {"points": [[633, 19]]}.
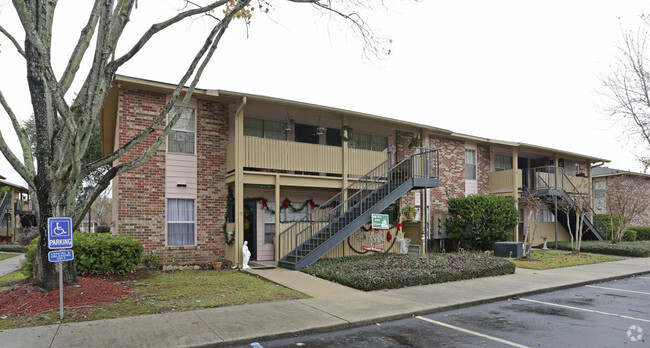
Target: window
{"points": [[182, 136], [544, 216], [291, 215], [370, 142], [264, 129], [502, 162], [470, 164], [180, 222], [269, 223]]}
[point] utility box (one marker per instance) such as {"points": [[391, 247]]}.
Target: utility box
{"points": [[509, 249], [439, 228]]}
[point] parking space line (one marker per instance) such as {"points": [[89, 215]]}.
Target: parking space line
{"points": [[496, 339], [623, 290], [586, 310], [643, 277]]}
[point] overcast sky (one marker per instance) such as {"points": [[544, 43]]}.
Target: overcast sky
{"points": [[511, 70]]}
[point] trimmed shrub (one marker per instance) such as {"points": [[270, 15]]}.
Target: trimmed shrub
{"points": [[642, 232], [633, 249], [477, 222], [381, 271], [97, 253], [629, 235], [13, 248]]}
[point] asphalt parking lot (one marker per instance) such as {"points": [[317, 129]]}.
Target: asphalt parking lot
{"points": [[611, 314]]}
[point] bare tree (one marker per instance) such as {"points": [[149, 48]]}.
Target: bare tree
{"points": [[623, 202], [533, 204], [55, 169], [628, 88], [576, 206]]}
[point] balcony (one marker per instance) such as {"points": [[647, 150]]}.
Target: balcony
{"points": [[542, 178], [288, 156]]}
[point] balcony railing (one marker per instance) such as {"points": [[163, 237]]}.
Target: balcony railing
{"points": [[302, 157], [543, 177]]}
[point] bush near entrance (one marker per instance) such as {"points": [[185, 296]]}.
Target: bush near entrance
{"points": [[392, 271], [97, 254], [476, 222], [642, 232]]}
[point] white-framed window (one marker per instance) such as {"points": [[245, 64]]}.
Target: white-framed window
{"points": [[269, 223], [182, 137], [264, 128], [370, 142], [181, 224], [544, 216], [470, 164], [502, 162], [291, 215]]}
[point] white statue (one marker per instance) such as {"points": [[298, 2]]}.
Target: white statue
{"points": [[246, 254], [403, 244]]}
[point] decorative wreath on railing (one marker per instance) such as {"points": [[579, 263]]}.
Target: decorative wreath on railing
{"points": [[346, 133]]}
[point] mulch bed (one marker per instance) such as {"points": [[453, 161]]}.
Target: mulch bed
{"points": [[25, 299]]}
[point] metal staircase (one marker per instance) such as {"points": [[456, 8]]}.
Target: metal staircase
{"points": [[4, 205], [308, 240], [552, 181]]}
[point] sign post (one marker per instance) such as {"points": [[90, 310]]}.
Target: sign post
{"points": [[59, 236]]}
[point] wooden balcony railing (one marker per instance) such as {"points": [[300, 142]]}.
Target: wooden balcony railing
{"points": [[293, 156]]}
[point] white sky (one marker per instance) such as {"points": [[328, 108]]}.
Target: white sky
{"points": [[511, 70]]}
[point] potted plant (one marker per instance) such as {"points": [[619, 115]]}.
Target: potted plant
{"points": [[409, 212], [220, 263]]}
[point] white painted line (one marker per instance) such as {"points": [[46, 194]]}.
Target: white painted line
{"points": [[644, 277], [586, 310], [496, 339], [604, 288]]}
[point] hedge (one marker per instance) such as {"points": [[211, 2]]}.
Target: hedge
{"points": [[13, 248], [97, 254], [642, 232], [378, 272], [633, 249]]}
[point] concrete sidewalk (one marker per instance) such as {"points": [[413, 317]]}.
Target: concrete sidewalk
{"points": [[11, 264], [332, 306]]}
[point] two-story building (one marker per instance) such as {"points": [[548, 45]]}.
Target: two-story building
{"points": [[299, 181], [15, 210]]}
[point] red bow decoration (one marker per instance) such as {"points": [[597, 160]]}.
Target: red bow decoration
{"points": [[399, 226], [389, 236], [286, 203], [312, 205]]}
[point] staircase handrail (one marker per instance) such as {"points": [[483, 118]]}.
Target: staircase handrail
{"points": [[336, 204], [598, 223], [3, 204]]}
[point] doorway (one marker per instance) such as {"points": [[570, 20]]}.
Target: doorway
{"points": [[250, 226]]}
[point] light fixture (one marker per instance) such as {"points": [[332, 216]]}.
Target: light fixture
{"points": [[288, 126], [320, 130]]}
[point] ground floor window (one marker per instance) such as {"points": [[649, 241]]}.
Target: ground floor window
{"points": [[180, 222], [269, 223]]}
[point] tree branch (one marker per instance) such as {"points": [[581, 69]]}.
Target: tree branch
{"points": [[11, 38]]}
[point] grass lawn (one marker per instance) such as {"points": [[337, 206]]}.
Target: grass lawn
{"points": [[4, 256], [394, 271], [551, 259], [7, 279], [168, 292]]}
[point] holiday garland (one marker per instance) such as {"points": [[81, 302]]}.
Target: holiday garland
{"points": [[229, 204]]}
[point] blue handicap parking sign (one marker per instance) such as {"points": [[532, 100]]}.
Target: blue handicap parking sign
{"points": [[59, 233]]}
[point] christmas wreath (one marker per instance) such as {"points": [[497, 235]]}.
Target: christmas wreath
{"points": [[346, 133]]}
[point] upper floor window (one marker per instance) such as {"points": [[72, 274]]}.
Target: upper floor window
{"points": [[370, 142], [182, 137], [470, 164], [264, 128], [502, 162]]}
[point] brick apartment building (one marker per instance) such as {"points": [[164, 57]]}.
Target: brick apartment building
{"points": [[273, 172]]}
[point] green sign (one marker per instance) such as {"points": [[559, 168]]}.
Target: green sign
{"points": [[380, 221]]}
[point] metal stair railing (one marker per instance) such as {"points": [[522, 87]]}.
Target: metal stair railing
{"points": [[4, 203], [355, 199], [562, 182]]}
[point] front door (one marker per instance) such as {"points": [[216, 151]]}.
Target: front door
{"points": [[250, 226]]}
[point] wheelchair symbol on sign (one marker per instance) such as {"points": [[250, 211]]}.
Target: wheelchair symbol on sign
{"points": [[58, 231]]}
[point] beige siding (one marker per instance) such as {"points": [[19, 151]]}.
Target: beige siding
{"points": [[180, 169], [502, 181]]}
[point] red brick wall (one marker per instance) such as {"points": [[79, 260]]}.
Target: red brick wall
{"points": [[483, 169], [452, 172], [631, 185], [140, 193]]}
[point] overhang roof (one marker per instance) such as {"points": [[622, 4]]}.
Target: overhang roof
{"points": [[234, 97]]}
